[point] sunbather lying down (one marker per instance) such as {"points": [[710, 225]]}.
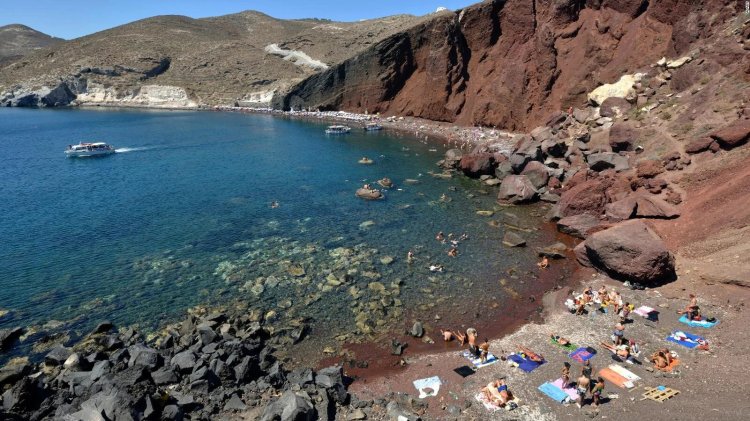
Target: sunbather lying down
{"points": [[560, 340], [530, 354], [622, 351], [497, 392]]}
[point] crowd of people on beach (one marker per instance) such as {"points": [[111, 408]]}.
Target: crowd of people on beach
{"points": [[589, 388]]}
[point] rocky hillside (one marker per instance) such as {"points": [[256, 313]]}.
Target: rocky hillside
{"points": [[509, 63], [181, 61], [18, 40]]}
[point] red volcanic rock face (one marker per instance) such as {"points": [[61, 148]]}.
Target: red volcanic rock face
{"points": [[501, 63]]}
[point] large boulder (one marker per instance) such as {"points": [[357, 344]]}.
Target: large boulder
{"points": [[452, 158], [623, 88], [516, 189], [537, 173], [631, 251], [478, 164], [9, 336], [290, 407], [648, 206], [606, 160], [699, 145], [622, 137], [614, 107], [580, 226], [589, 194], [733, 135]]}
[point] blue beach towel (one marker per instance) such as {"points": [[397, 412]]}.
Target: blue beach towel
{"points": [[523, 363], [553, 392], [695, 323], [583, 354], [691, 342], [477, 362]]}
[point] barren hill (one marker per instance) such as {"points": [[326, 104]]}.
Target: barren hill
{"points": [[19, 40], [184, 61]]}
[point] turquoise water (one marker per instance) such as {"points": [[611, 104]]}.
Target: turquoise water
{"points": [[181, 216]]}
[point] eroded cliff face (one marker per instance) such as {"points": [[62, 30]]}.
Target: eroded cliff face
{"points": [[508, 63]]}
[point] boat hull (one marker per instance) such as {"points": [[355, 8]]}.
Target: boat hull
{"points": [[85, 154]]}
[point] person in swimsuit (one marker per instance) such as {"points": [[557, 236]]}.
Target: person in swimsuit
{"points": [[409, 256], [618, 334], [565, 375], [559, 340], [544, 263], [497, 392], [440, 237], [471, 338], [693, 304], [586, 369], [596, 391], [484, 350], [582, 387], [530, 354]]}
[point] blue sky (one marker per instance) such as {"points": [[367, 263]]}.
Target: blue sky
{"points": [[74, 18]]}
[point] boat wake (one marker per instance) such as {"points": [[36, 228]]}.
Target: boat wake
{"points": [[124, 150]]}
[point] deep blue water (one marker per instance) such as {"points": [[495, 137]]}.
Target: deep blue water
{"points": [[137, 237]]}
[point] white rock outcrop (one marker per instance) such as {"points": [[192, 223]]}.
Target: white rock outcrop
{"points": [[299, 58], [623, 88], [158, 96]]}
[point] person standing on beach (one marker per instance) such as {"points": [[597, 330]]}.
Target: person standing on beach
{"points": [[582, 387], [565, 374], [596, 392]]}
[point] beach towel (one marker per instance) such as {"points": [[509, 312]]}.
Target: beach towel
{"points": [[647, 312], [554, 392], [464, 371], [697, 323], [569, 390], [691, 341], [568, 347], [432, 383], [477, 362], [582, 354], [624, 372], [523, 363], [511, 405], [616, 379], [668, 369]]}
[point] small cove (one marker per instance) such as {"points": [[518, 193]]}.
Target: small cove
{"points": [[182, 217]]}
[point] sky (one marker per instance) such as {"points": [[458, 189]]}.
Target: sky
{"points": [[74, 18]]}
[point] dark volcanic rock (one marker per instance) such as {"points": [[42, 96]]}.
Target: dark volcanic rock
{"points": [[517, 189], [57, 356], [605, 160], [631, 251], [8, 337], [511, 239], [290, 406], [417, 330], [537, 173]]}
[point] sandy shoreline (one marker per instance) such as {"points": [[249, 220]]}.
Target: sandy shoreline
{"points": [[709, 381]]}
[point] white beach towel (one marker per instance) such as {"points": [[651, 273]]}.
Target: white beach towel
{"points": [[433, 383]]}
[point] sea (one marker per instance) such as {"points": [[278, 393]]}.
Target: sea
{"points": [[202, 208]]}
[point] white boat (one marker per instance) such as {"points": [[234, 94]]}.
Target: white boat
{"points": [[372, 127], [89, 149], [338, 130]]}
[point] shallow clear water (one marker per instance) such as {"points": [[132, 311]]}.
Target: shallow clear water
{"points": [[181, 216]]}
